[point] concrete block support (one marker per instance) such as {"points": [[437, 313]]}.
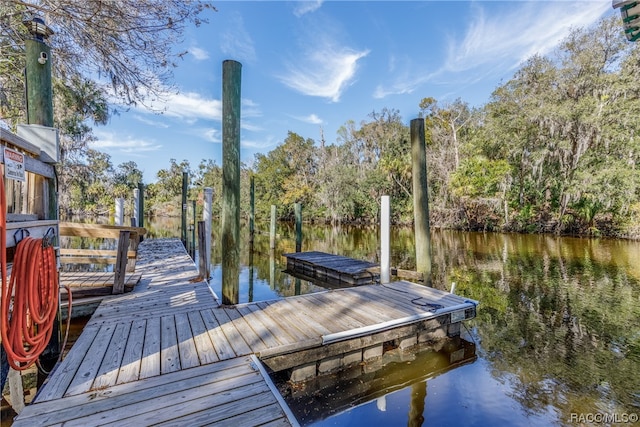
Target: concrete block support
{"points": [[352, 358], [372, 352], [304, 372], [329, 364]]}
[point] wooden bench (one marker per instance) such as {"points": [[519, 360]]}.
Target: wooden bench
{"points": [[123, 258]]}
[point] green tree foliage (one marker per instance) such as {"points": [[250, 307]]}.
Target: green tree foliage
{"points": [[568, 124], [103, 50], [555, 149], [126, 45]]}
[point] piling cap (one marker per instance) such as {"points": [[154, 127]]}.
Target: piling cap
{"points": [[37, 27]]}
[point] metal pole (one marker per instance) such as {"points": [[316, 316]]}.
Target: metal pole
{"points": [[385, 251], [231, 83], [421, 200]]}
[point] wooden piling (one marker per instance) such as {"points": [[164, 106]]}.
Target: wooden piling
{"points": [[272, 229], [141, 205], [192, 227], [136, 207], [385, 251], [207, 216], [252, 208], [420, 200], [297, 207], [119, 215], [121, 262], [38, 82], [231, 83], [203, 265], [39, 105], [183, 222]]}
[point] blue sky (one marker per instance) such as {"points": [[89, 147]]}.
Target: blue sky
{"points": [[313, 65]]}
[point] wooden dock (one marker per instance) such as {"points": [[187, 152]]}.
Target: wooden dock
{"points": [[332, 269], [92, 283], [169, 353]]}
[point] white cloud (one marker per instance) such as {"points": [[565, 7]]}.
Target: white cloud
{"points": [[311, 118], [250, 126], [325, 70], [307, 6], [269, 141], [147, 121], [198, 53], [124, 144], [189, 106], [236, 41], [211, 134], [493, 43], [510, 38]]}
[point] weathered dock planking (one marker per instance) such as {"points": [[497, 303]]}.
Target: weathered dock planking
{"points": [[171, 328], [334, 269], [92, 283]]}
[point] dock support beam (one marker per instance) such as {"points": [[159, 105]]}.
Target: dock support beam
{"points": [[421, 200], [385, 251], [231, 82]]}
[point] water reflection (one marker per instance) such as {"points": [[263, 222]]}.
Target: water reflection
{"points": [[322, 401]]}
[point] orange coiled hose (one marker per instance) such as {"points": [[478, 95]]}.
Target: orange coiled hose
{"points": [[26, 327]]}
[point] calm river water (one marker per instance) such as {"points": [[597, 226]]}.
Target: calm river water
{"points": [[556, 340]]}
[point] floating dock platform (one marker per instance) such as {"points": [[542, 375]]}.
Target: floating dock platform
{"points": [[332, 269], [169, 353]]}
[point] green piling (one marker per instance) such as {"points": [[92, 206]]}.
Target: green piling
{"points": [[39, 96], [420, 200], [38, 78], [231, 82]]}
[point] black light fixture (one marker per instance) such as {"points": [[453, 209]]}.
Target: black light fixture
{"points": [[37, 28], [630, 12]]}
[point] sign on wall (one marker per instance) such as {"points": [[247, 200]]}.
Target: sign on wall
{"points": [[14, 165]]}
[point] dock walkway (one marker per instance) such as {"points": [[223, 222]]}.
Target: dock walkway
{"points": [[169, 353]]}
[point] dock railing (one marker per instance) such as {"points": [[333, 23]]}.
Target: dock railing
{"points": [[123, 258]]}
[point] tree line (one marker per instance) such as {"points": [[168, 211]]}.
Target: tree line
{"points": [[555, 149]]}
